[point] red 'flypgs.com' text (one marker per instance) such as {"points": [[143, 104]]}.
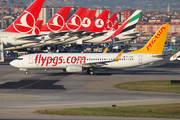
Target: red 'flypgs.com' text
{"points": [[46, 60]]}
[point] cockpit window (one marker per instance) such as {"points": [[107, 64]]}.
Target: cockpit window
{"points": [[20, 58]]}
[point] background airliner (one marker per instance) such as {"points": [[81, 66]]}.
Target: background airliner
{"points": [[77, 62], [22, 28]]}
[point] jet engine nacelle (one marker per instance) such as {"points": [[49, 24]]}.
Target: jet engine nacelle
{"points": [[74, 68]]}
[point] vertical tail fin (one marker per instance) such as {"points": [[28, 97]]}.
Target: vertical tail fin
{"points": [[74, 23], [156, 43], [110, 22], [37, 28], [26, 21], [115, 26], [87, 20], [128, 26], [99, 23], [57, 22]]}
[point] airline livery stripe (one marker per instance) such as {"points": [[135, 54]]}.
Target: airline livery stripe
{"points": [[129, 28], [135, 17], [132, 23]]}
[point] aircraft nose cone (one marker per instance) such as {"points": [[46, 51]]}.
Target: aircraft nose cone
{"points": [[13, 63]]}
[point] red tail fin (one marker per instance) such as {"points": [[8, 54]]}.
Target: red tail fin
{"points": [[57, 22], [99, 23], [26, 22], [110, 22], [37, 28], [88, 19], [115, 26], [74, 23]]}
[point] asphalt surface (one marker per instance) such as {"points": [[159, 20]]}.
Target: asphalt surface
{"points": [[21, 95]]}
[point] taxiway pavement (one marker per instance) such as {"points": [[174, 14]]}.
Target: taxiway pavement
{"points": [[21, 95]]}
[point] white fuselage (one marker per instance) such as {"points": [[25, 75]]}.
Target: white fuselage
{"points": [[9, 39], [61, 60]]}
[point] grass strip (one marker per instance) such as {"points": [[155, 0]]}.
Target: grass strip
{"points": [[153, 86], [150, 111]]}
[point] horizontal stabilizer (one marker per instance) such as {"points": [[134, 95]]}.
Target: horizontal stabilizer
{"points": [[133, 34], [161, 55], [98, 34], [30, 37], [85, 34], [76, 33], [59, 34]]}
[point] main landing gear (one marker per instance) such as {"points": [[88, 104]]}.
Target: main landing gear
{"points": [[26, 72], [90, 72]]}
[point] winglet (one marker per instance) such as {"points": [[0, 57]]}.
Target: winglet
{"points": [[156, 43], [105, 51], [118, 57]]}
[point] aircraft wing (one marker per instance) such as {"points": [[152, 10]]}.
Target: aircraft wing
{"points": [[133, 34], [96, 64]]}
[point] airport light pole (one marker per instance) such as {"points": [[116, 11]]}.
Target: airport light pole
{"points": [[11, 1], [2, 4]]}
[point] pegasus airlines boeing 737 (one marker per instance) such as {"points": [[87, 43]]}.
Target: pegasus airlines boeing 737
{"points": [[77, 62]]}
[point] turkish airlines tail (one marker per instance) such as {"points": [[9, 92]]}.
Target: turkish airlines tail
{"points": [[26, 21], [156, 43], [37, 28], [110, 22], [57, 22], [115, 26], [74, 23], [88, 19], [99, 23]]}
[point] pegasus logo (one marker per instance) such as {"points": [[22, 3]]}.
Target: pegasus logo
{"points": [[99, 23], [56, 24], [86, 22], [75, 23], [154, 39], [25, 23]]}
